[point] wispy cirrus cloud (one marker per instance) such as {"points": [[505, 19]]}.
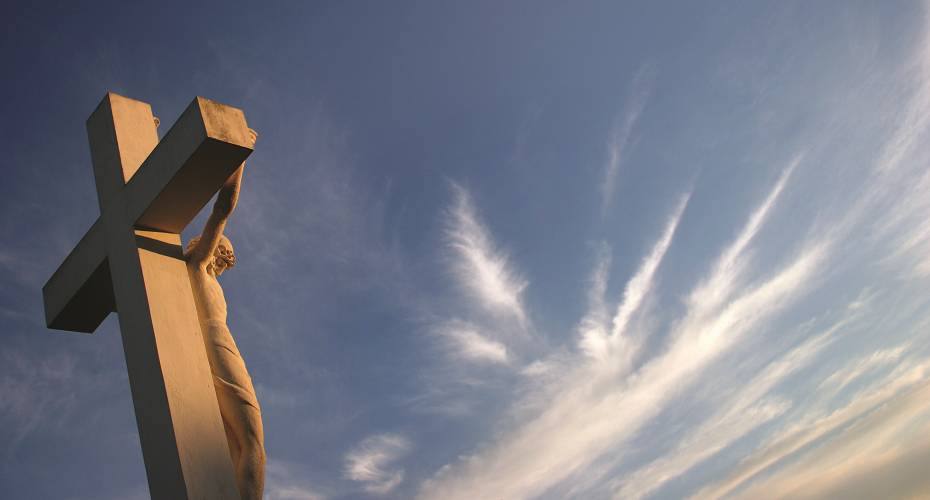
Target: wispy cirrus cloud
{"points": [[43, 396], [466, 341], [370, 462], [594, 405], [32, 396], [618, 142], [879, 421], [284, 482], [576, 431], [482, 323], [843, 377], [481, 268], [732, 262], [746, 409], [885, 217], [601, 340]]}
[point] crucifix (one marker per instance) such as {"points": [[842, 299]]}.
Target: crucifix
{"points": [[131, 262]]}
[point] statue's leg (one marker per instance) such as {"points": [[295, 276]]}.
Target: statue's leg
{"points": [[244, 427], [242, 418]]}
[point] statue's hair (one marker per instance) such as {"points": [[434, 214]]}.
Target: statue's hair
{"points": [[224, 242]]}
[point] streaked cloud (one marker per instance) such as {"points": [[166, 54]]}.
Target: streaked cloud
{"points": [[481, 322], [747, 408], [370, 462], [27, 393], [283, 481], [871, 458], [594, 406], [817, 423], [602, 341], [44, 397], [618, 143], [466, 341], [732, 262], [480, 267], [841, 378]]}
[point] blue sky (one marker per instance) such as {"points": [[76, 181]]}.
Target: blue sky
{"points": [[507, 250]]}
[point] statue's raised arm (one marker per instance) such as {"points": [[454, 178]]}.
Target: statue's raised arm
{"points": [[202, 249]]}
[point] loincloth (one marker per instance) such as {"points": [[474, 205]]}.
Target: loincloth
{"points": [[227, 366], [243, 394]]}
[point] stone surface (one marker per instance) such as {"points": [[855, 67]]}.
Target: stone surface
{"points": [[131, 260]]}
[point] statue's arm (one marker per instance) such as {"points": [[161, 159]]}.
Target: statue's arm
{"points": [[225, 203]]}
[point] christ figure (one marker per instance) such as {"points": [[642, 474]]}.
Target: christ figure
{"points": [[207, 256]]}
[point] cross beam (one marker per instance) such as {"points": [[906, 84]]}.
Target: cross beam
{"points": [[131, 261]]}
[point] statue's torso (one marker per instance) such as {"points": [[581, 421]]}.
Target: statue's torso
{"points": [[208, 295], [226, 363]]}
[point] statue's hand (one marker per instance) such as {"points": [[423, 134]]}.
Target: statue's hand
{"points": [[252, 136]]}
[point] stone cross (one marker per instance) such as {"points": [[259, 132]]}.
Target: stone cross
{"points": [[131, 261]]}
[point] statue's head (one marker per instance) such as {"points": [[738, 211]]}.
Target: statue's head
{"points": [[223, 256]]}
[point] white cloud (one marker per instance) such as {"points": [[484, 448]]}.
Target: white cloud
{"points": [[887, 215], [36, 395], [746, 409], [369, 462], [482, 269], [641, 283], [854, 370], [814, 425], [594, 406], [595, 339], [731, 264], [284, 482], [483, 324], [878, 444], [617, 144], [471, 345], [593, 328]]}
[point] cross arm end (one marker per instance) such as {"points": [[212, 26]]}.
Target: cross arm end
{"points": [[79, 296]]}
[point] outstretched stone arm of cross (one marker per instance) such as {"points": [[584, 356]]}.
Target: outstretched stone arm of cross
{"points": [[131, 261]]}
